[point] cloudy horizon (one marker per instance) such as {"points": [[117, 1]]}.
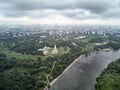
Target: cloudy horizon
{"points": [[60, 12]]}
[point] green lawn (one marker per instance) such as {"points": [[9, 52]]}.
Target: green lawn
{"points": [[12, 54], [89, 47]]}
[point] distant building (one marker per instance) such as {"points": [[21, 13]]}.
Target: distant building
{"points": [[55, 51], [43, 36], [81, 37]]}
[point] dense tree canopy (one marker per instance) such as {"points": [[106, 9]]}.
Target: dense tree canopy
{"points": [[110, 77]]}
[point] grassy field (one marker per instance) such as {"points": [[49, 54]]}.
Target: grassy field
{"points": [[89, 47], [12, 54]]}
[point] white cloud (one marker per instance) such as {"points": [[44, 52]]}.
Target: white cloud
{"points": [[58, 11]]}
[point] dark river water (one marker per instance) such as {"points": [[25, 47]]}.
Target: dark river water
{"points": [[82, 74]]}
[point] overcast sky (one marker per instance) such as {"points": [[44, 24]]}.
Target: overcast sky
{"points": [[60, 11]]}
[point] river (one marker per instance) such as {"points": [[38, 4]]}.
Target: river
{"points": [[83, 73]]}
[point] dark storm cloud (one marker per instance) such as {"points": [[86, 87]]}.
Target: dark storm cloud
{"points": [[68, 8]]}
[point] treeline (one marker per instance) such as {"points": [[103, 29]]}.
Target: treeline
{"points": [[111, 45], [64, 60], [21, 75], [26, 48], [110, 77], [97, 39], [30, 74]]}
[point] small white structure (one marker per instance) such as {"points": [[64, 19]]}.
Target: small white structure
{"points": [[45, 50], [81, 37], [101, 43], [55, 51]]}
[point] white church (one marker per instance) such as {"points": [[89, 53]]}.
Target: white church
{"points": [[55, 51], [45, 50]]}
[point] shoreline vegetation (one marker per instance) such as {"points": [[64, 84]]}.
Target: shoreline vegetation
{"points": [[69, 66], [109, 79], [66, 70]]}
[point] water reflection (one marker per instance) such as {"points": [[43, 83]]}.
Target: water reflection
{"points": [[82, 75]]}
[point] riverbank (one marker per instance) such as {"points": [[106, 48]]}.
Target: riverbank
{"points": [[109, 79], [51, 84], [69, 66], [66, 70], [91, 67]]}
